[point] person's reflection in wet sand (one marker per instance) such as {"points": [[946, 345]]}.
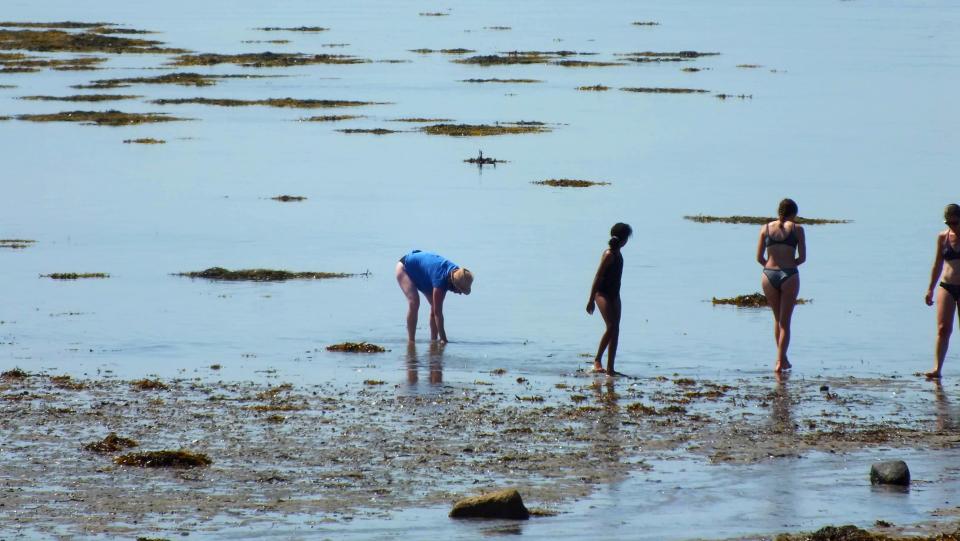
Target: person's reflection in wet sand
{"points": [[945, 415], [781, 412], [609, 446], [434, 363]]}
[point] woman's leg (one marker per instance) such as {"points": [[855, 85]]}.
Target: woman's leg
{"points": [[946, 309], [773, 300], [610, 309], [413, 300], [789, 290]]}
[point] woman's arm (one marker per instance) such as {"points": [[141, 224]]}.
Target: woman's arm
{"points": [[936, 270], [761, 258], [604, 262], [436, 311], [801, 246]]}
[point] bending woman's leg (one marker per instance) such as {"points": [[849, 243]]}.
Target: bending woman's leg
{"points": [[789, 290], [946, 308], [413, 300], [610, 309]]}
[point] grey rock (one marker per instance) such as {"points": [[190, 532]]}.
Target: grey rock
{"points": [[500, 504], [891, 472]]}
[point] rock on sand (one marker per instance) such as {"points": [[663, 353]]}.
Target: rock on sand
{"points": [[500, 504], [891, 472]]}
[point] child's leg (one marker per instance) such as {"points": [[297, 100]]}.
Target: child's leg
{"points": [[610, 310]]}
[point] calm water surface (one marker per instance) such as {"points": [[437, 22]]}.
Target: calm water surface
{"points": [[853, 115]]}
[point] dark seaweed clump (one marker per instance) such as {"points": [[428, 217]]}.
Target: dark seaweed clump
{"points": [[758, 220], [373, 131], [356, 347], [419, 119], [594, 88], [853, 533], [293, 29], [184, 79], [433, 14], [60, 41], [16, 373], [569, 183], [101, 118], [645, 23], [481, 130], [149, 385], [677, 54], [731, 96], [145, 141], [753, 300], [20, 63], [164, 459], [75, 275], [444, 51], [532, 57], [649, 90], [16, 244], [265, 60], [271, 102], [501, 81], [289, 198], [330, 118], [585, 64], [60, 24], [82, 97], [110, 444], [261, 275]]}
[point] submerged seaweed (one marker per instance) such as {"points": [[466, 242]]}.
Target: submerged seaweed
{"points": [[270, 102], [419, 119], [501, 81], [82, 97], [649, 90], [60, 41], [265, 60], [292, 29], [594, 88], [481, 130], [289, 198], [101, 118], [356, 347], [330, 118], [444, 51], [645, 23], [741, 96], [164, 459], [585, 64], [16, 244], [145, 141], [569, 183], [184, 79], [373, 131], [75, 275], [753, 300], [677, 54], [262, 275], [758, 220], [110, 444]]}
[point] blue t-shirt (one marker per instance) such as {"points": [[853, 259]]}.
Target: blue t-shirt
{"points": [[428, 270]]}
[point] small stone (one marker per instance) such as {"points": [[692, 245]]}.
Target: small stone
{"points": [[824, 388], [500, 504], [891, 472]]}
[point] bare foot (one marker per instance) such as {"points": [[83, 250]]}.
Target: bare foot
{"points": [[598, 368], [932, 375], [780, 367]]}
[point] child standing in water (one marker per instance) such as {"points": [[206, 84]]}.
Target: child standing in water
{"points": [[605, 294]]}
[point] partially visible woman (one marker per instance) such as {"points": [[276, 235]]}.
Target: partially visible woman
{"points": [[781, 249], [605, 294], [432, 275], [945, 262]]}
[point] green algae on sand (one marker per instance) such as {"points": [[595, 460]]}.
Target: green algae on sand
{"points": [[82, 97], [270, 102], [75, 275], [262, 275], [758, 220], [265, 59], [164, 459], [753, 300], [569, 183], [101, 118], [356, 347], [483, 130]]}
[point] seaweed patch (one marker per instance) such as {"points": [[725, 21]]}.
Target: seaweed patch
{"points": [[753, 300], [585, 64], [569, 183], [651, 90], [59, 24], [75, 275], [270, 102], [645, 23], [149, 385], [83, 97], [164, 459], [483, 130], [517, 81], [262, 275], [292, 29], [594, 88], [183, 79], [372, 131], [356, 347], [758, 220], [265, 60], [110, 444], [459, 50], [482, 160], [16, 244], [420, 120], [433, 14], [289, 198], [101, 118], [60, 41], [330, 118], [731, 96], [19, 63], [145, 141], [16, 373]]}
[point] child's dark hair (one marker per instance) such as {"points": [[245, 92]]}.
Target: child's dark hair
{"points": [[619, 234], [951, 211], [787, 208]]}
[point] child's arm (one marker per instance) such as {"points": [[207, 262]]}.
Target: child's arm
{"points": [[604, 261]]}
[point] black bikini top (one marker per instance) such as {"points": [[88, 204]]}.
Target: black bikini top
{"points": [[789, 240], [949, 254]]}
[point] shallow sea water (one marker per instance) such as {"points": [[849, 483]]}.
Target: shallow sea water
{"points": [[856, 123]]}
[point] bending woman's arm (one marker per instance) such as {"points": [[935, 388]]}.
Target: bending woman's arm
{"points": [[604, 262], [436, 311], [936, 270]]}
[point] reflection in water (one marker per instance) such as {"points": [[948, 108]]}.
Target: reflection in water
{"points": [[434, 362], [946, 419], [781, 413]]}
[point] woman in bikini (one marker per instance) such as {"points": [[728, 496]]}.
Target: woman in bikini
{"points": [[605, 294], [948, 294], [781, 249]]}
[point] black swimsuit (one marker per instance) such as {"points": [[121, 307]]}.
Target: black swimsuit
{"points": [[777, 277], [609, 285], [949, 254]]}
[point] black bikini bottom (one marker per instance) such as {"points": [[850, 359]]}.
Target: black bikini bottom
{"points": [[778, 276], [952, 289]]}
